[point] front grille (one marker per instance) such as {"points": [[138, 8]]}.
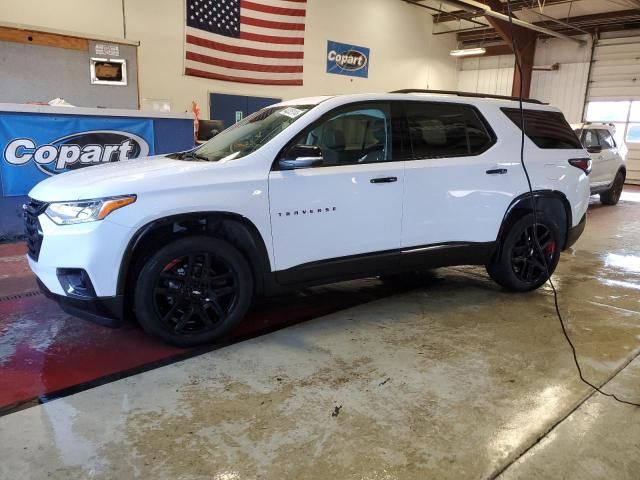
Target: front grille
{"points": [[32, 228]]}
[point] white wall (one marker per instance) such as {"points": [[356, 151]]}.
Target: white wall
{"points": [[101, 17], [404, 54]]}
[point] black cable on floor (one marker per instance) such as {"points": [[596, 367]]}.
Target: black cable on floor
{"points": [[535, 223]]}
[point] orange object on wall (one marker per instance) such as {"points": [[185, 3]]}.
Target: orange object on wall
{"points": [[195, 108]]}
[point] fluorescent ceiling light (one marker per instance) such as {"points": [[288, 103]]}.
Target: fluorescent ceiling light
{"points": [[468, 51]]}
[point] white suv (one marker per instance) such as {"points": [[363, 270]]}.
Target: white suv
{"points": [[307, 192], [608, 165]]}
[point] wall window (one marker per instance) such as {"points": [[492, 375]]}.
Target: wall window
{"points": [[633, 129], [607, 111], [357, 134], [624, 115], [633, 133], [438, 130], [545, 128]]}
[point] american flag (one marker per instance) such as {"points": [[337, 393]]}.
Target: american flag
{"points": [[248, 41]]}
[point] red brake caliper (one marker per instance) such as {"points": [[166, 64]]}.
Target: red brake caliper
{"points": [[171, 264], [550, 248]]}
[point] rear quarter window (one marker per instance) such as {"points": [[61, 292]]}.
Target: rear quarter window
{"points": [[548, 130]]}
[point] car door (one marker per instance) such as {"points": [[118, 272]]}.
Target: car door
{"points": [[591, 140], [609, 153], [350, 203], [456, 189]]}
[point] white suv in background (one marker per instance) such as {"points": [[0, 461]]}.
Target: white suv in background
{"points": [[608, 164], [306, 192]]}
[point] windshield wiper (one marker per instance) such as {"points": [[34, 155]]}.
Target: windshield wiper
{"points": [[192, 155]]}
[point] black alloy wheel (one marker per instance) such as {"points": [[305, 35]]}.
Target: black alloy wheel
{"points": [[193, 291], [519, 264], [530, 262]]}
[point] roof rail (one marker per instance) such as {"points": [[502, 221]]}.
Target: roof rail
{"points": [[611, 124], [468, 94]]}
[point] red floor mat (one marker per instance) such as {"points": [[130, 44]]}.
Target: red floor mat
{"points": [[45, 353]]}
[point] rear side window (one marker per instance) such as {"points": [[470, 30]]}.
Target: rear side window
{"points": [[437, 130], [546, 129]]}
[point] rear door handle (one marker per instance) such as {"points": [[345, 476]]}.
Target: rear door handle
{"points": [[384, 180], [497, 171]]}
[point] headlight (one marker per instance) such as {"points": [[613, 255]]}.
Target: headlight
{"points": [[66, 213]]}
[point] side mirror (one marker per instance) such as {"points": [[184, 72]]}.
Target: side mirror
{"points": [[301, 156], [594, 149]]}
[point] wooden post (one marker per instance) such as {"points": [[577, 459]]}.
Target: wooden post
{"points": [[524, 40]]}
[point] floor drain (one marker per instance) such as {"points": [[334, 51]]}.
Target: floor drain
{"points": [[18, 296]]}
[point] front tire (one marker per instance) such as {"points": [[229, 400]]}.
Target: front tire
{"points": [[519, 265], [612, 196], [193, 291]]}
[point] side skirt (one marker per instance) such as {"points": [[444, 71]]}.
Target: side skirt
{"points": [[386, 262]]}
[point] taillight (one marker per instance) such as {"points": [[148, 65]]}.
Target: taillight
{"points": [[583, 164]]}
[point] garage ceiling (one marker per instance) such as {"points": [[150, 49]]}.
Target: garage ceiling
{"points": [[569, 17]]}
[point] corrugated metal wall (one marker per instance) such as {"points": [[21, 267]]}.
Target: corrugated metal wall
{"points": [[563, 88], [615, 75], [492, 75]]}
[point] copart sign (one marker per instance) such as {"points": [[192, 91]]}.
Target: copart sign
{"points": [[45, 146], [344, 59], [76, 150]]}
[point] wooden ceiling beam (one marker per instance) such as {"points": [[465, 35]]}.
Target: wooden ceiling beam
{"points": [[588, 22], [516, 5]]}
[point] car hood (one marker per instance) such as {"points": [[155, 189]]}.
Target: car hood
{"points": [[117, 178]]}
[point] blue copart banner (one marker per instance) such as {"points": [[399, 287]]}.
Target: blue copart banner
{"points": [[35, 147], [344, 59]]}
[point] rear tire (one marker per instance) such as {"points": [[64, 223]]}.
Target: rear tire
{"points": [[518, 265], [611, 196], [193, 291]]}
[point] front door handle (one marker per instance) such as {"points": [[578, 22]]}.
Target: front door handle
{"points": [[497, 171], [384, 180]]}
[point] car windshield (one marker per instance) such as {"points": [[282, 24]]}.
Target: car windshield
{"points": [[248, 135]]}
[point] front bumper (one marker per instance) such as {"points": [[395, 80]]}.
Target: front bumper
{"points": [[107, 311], [95, 247], [574, 232]]}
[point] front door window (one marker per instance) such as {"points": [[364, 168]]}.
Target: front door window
{"points": [[351, 136]]}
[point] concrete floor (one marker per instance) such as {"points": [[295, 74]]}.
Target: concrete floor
{"points": [[457, 379]]}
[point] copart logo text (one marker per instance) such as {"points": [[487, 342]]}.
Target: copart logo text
{"points": [[349, 60], [77, 150]]}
